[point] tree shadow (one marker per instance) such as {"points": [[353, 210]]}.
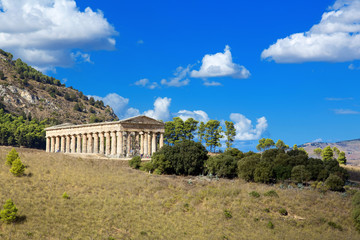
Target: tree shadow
{"points": [[20, 219]]}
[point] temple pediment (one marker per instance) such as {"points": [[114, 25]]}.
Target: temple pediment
{"points": [[142, 120]]}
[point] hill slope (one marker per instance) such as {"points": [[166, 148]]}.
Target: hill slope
{"points": [[24, 91], [108, 200], [350, 147]]}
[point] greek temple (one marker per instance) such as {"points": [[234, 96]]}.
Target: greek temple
{"points": [[140, 135]]}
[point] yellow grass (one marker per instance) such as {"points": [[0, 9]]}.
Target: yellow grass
{"points": [[110, 200]]}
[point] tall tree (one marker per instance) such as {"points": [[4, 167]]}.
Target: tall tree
{"points": [[327, 153], [169, 135], [179, 129], [190, 127], [336, 151], [201, 132], [342, 158], [230, 134], [213, 134], [281, 145], [265, 143], [318, 152]]}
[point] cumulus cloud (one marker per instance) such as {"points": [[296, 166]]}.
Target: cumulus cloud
{"points": [[180, 78], [198, 115], [45, 33], [220, 65], [119, 104], [244, 128], [346, 112], [146, 83], [161, 109], [335, 39]]}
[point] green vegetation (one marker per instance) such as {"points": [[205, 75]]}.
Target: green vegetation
{"points": [[65, 196], [135, 162], [229, 134], [265, 143], [9, 211], [11, 156], [17, 168], [108, 199]]}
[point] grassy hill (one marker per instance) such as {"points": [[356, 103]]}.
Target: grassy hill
{"points": [[26, 91], [108, 200], [350, 147]]}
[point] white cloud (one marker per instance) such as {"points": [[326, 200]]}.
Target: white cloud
{"points": [[318, 140], [220, 65], [335, 39], [146, 83], [161, 109], [119, 104], [346, 112], [44, 33], [212, 83], [180, 77], [338, 99], [198, 115], [244, 128]]}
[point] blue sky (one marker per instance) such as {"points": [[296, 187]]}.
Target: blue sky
{"points": [[278, 69]]}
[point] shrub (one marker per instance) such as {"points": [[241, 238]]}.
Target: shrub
{"points": [[227, 214], [65, 196], [300, 174], [11, 156], [334, 182], [283, 212], [335, 226], [8, 214], [247, 166], [271, 193], [254, 194], [270, 225], [184, 158], [18, 168], [147, 167], [223, 165], [135, 162], [264, 172]]}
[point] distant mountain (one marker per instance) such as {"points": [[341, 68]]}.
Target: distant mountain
{"points": [[26, 91], [350, 147]]}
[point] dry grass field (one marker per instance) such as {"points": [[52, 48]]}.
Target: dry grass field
{"points": [[108, 200]]}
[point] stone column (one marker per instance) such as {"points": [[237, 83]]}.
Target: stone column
{"points": [[57, 144], [62, 147], [119, 144], [90, 144], [113, 143], [141, 143], [128, 145], [149, 143], [145, 141], [137, 143], [67, 143], [84, 143], [52, 144], [96, 142], [153, 149], [73, 144], [161, 144], [78, 143], [48, 147], [101, 146], [107, 148]]}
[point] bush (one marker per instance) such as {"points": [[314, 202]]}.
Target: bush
{"points": [[18, 168], [264, 172], [247, 166], [271, 193], [283, 212], [223, 165], [11, 156], [8, 214], [135, 162], [184, 158], [335, 226], [270, 225], [300, 174], [147, 167], [65, 196], [254, 194], [334, 182], [227, 214]]}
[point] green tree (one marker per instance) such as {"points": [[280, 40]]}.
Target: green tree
{"points": [[342, 158], [213, 134], [18, 168], [190, 126], [169, 135], [11, 156], [318, 152], [295, 147], [179, 129], [91, 101], [230, 134], [247, 166], [335, 183], [265, 143], [281, 145], [327, 153], [300, 174], [336, 151], [201, 132], [8, 214]]}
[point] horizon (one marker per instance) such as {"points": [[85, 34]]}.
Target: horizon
{"points": [[280, 70]]}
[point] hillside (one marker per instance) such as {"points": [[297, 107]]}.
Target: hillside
{"points": [[26, 91], [350, 147], [108, 200]]}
